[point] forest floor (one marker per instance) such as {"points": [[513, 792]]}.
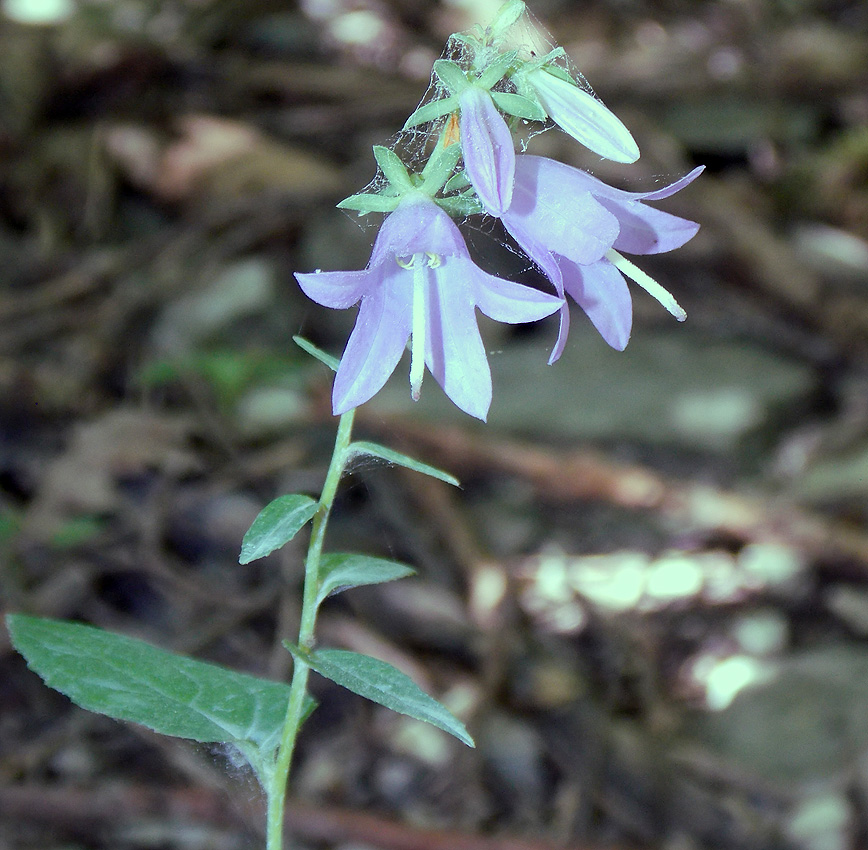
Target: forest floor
{"points": [[649, 599]]}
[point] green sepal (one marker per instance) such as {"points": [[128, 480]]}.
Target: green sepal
{"points": [[545, 63], [381, 683], [278, 522], [461, 206], [339, 571], [393, 169], [400, 459], [549, 60], [318, 353], [438, 168], [129, 679], [450, 74], [364, 203], [457, 183], [558, 71], [431, 111], [495, 72], [519, 106]]}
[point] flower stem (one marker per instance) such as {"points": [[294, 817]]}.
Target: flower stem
{"points": [[279, 776]]}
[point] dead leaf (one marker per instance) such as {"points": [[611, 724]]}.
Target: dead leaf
{"points": [[119, 444]]}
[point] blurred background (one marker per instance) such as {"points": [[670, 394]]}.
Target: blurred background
{"points": [[649, 602]]}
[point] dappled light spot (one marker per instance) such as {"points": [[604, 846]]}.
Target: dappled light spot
{"points": [[721, 679], [38, 12], [559, 586]]}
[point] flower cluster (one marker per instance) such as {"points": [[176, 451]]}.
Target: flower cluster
{"points": [[422, 286]]}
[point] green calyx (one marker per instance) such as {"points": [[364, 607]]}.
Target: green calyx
{"points": [[431, 181]]}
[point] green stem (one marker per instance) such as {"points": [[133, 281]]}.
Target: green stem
{"points": [[298, 687]]}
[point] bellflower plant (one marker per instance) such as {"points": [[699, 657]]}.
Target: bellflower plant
{"points": [[454, 159]]}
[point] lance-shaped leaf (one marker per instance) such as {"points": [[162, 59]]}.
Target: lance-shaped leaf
{"points": [[278, 522], [381, 683], [390, 455], [129, 679], [340, 571]]}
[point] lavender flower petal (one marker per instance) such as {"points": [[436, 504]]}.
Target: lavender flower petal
{"points": [[552, 207], [659, 194], [486, 143], [601, 291], [454, 353], [337, 290], [645, 230], [378, 339], [505, 301], [417, 226]]}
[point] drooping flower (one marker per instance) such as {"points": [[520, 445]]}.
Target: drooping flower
{"points": [[574, 225], [487, 146], [578, 113], [421, 284]]}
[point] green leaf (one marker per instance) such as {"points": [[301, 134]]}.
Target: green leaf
{"points": [[521, 107], [431, 111], [318, 353], [390, 455], [394, 170], [381, 683], [341, 571], [451, 75], [364, 204], [131, 680], [278, 522]]}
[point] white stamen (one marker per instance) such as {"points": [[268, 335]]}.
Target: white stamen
{"points": [[654, 289]]}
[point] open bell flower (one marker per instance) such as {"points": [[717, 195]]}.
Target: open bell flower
{"points": [[578, 113], [420, 284], [573, 226]]}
